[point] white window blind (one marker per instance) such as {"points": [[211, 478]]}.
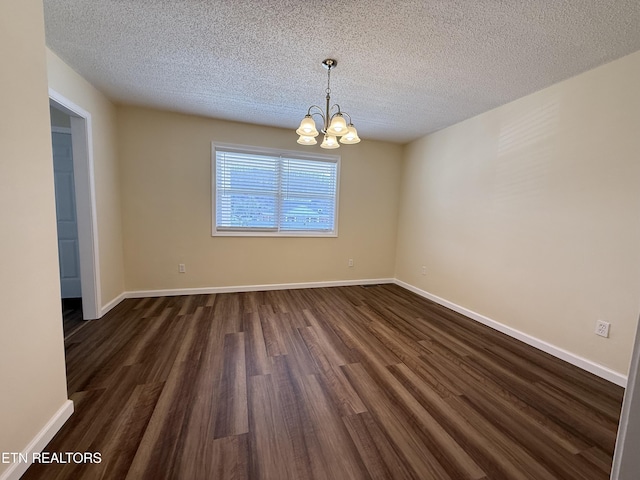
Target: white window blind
{"points": [[274, 193]]}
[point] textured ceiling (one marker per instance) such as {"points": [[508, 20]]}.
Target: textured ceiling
{"points": [[406, 68]]}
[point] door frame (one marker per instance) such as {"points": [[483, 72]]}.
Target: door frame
{"points": [[83, 171], [626, 463]]}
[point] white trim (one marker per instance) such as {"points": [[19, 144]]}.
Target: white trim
{"points": [[578, 361], [281, 233], [258, 150], [254, 288], [113, 303], [40, 441], [83, 170], [66, 130], [625, 458]]}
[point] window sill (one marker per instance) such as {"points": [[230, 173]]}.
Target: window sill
{"points": [[275, 234]]}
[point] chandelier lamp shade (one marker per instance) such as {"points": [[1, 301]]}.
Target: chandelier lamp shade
{"points": [[334, 124]]}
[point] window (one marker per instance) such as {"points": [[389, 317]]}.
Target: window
{"points": [[270, 192]]}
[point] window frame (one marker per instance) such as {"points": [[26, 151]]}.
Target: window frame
{"points": [[251, 149]]}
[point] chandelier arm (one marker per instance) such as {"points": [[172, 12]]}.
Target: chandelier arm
{"points": [[335, 105], [319, 112], [345, 113]]}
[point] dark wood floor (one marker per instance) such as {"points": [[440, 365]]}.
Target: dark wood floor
{"points": [[333, 383], [71, 316]]}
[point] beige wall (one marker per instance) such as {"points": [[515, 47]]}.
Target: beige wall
{"points": [[166, 179], [32, 371], [72, 86], [530, 213]]}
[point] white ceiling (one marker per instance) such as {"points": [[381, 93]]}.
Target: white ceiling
{"points": [[405, 68]]}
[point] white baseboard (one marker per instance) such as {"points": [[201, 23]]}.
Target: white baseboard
{"points": [[39, 442], [109, 306], [253, 288], [581, 362]]}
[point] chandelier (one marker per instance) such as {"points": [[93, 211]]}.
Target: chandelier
{"points": [[333, 125]]}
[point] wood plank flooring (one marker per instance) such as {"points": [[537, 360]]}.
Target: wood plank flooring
{"points": [[333, 383]]}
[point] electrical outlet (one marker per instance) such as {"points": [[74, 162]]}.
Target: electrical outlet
{"points": [[602, 328], [351, 262], [424, 270], [181, 268]]}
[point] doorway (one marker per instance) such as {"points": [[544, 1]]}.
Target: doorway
{"points": [[75, 212], [66, 222]]}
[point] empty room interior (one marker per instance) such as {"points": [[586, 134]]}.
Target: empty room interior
{"points": [[341, 240]]}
